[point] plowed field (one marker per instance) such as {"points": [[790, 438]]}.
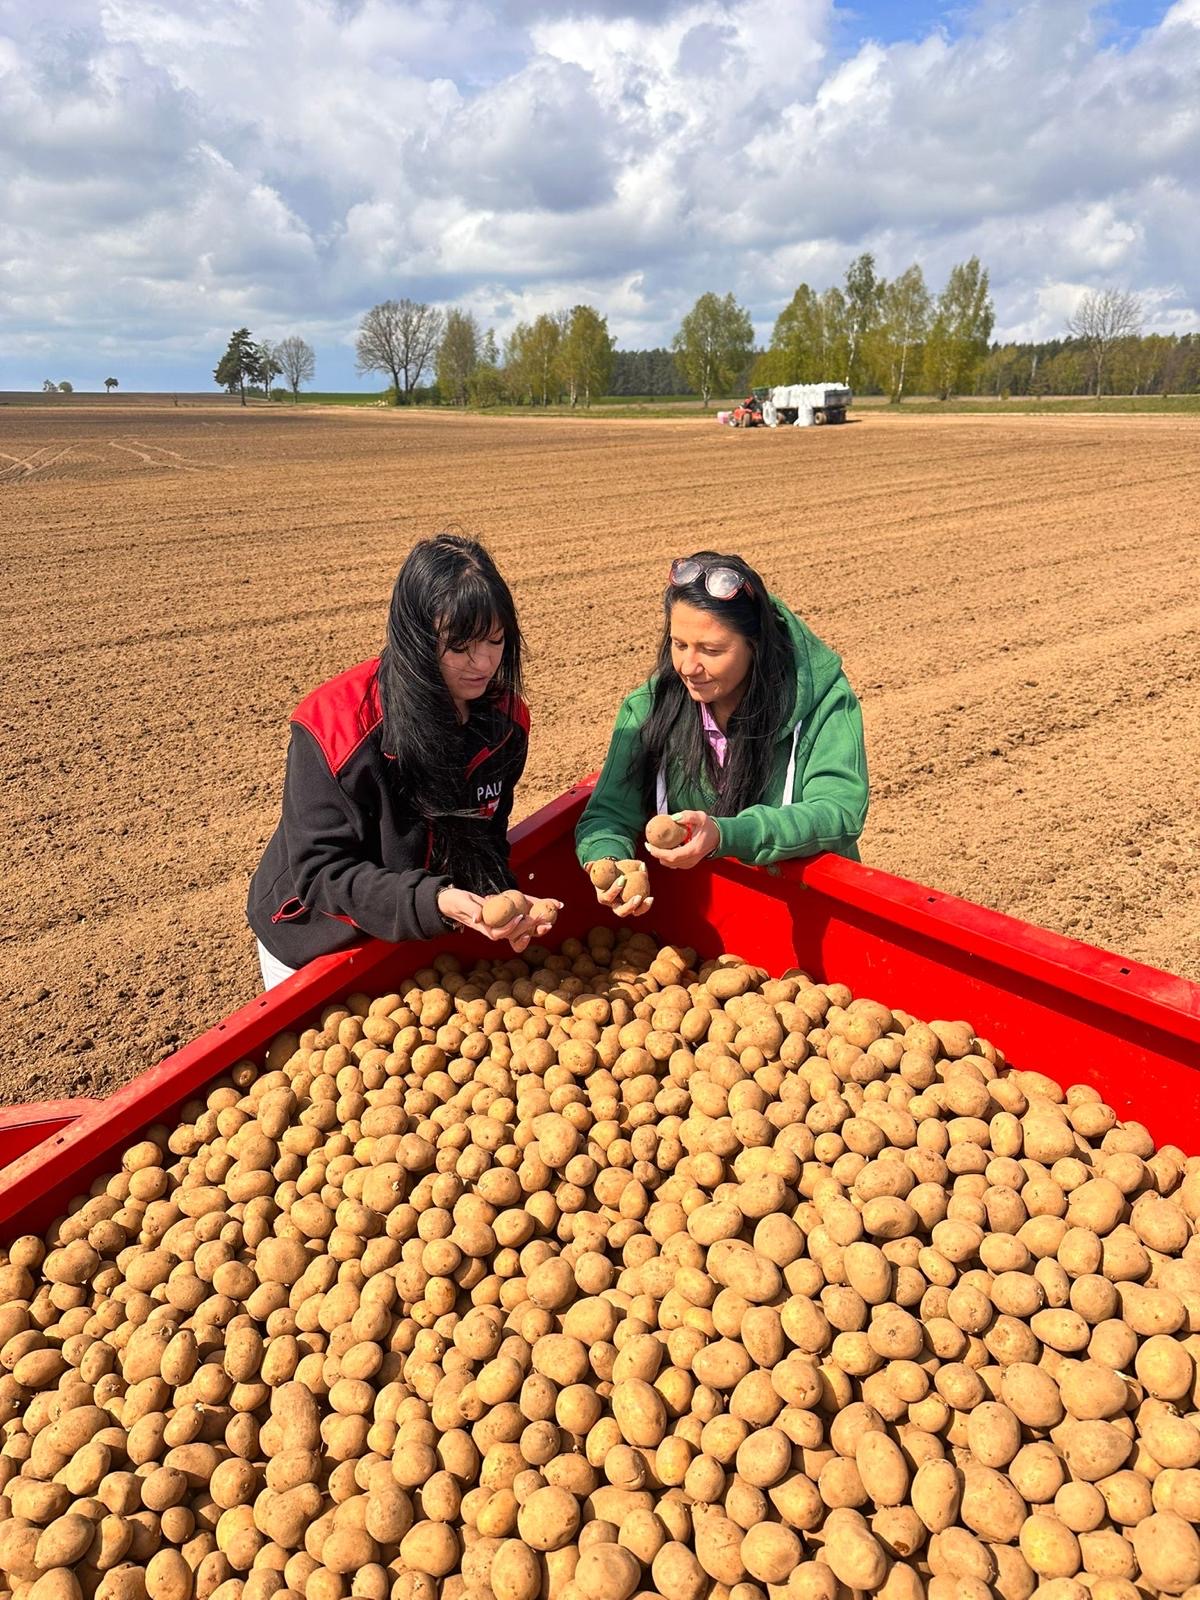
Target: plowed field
{"points": [[1015, 599]]}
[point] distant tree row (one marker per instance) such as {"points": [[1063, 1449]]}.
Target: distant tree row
{"points": [[647, 372], [889, 337], [1105, 348], [893, 337], [560, 356]]}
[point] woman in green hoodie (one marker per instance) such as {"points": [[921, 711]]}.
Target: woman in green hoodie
{"points": [[748, 734]]}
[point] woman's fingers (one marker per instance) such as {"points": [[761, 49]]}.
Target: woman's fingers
{"points": [[702, 840], [544, 927], [612, 895], [634, 907]]}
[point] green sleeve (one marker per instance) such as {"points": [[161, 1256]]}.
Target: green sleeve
{"points": [[831, 805], [614, 817]]}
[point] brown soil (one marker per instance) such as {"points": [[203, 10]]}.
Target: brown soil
{"points": [[1015, 599]]}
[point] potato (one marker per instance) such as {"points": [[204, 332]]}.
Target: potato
{"points": [[1168, 1552], [603, 874], [1165, 1368], [882, 1469], [718, 1547], [1031, 1395], [990, 1506], [1092, 1391], [852, 1551], [498, 910], [1050, 1547], [677, 1574], [637, 881], [936, 1494], [664, 833], [63, 1542], [515, 1573], [548, 1519], [770, 1552], [429, 1547]]}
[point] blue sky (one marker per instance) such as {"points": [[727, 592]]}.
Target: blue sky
{"points": [[890, 21], [169, 172]]}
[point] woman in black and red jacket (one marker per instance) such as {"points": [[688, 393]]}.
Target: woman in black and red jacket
{"points": [[400, 775]]}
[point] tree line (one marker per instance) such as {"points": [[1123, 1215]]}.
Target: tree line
{"points": [[894, 337], [884, 337], [561, 356]]}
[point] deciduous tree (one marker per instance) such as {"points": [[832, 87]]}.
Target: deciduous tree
{"points": [[457, 355], [714, 344], [587, 353], [903, 324], [399, 338], [267, 366], [297, 362], [1101, 320], [862, 297], [810, 342], [961, 327], [543, 350]]}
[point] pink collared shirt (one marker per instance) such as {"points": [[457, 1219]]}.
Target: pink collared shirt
{"points": [[713, 734]]}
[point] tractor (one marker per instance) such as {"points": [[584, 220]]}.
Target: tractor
{"points": [[797, 404]]}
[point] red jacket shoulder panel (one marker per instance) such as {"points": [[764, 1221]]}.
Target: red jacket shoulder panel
{"points": [[515, 709], [343, 712]]}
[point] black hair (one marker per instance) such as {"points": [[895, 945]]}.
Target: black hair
{"points": [[447, 595], [673, 734]]}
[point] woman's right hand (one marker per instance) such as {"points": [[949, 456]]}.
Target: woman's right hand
{"points": [[611, 899]]}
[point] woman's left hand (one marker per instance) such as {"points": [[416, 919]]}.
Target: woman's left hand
{"points": [[703, 838]]}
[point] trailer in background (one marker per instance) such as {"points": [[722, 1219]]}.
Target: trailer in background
{"points": [[800, 405]]}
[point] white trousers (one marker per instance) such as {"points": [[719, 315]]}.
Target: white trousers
{"points": [[273, 970]]}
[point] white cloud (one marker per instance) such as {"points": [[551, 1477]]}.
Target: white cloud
{"points": [[168, 170]]}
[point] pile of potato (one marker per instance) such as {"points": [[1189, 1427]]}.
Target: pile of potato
{"points": [[593, 1275]]}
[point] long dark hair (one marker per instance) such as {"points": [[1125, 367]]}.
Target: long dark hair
{"points": [[673, 734], [447, 595]]}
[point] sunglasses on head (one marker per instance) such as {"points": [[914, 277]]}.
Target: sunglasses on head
{"points": [[722, 583]]}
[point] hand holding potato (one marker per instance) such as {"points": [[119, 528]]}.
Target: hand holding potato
{"points": [[500, 916], [622, 886], [698, 834], [513, 916]]}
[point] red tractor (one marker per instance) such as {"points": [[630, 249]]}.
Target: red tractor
{"points": [[748, 414]]}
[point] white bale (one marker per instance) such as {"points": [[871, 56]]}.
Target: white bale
{"points": [[769, 415], [804, 417]]}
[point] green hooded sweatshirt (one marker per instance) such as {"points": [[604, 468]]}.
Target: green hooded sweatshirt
{"points": [[817, 795]]}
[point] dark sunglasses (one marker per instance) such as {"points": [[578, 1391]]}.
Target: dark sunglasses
{"points": [[720, 582]]}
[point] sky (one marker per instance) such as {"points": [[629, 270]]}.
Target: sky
{"points": [[172, 171]]}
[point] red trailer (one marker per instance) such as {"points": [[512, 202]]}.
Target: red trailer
{"points": [[1078, 1014]]}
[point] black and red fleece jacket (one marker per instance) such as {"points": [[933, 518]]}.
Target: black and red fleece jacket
{"points": [[350, 855]]}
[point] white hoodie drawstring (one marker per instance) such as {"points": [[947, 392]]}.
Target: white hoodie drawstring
{"points": [[789, 779]]}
